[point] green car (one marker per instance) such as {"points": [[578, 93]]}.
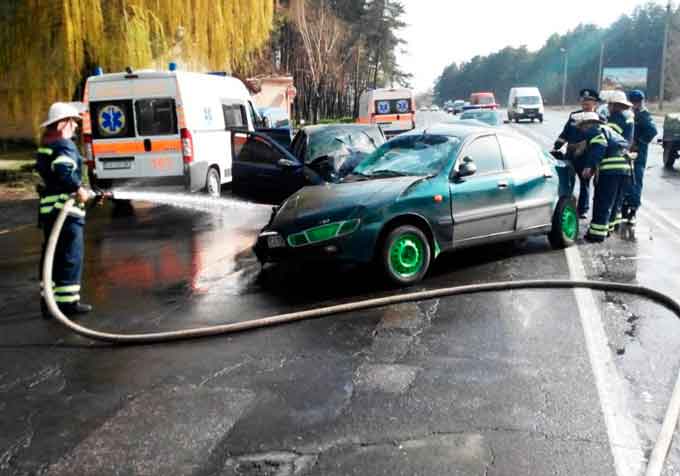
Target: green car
{"points": [[422, 193]]}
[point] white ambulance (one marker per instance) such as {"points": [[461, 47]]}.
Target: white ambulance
{"points": [[394, 110], [165, 128]]}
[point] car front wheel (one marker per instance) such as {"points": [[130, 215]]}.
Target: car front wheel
{"points": [[564, 231], [406, 255]]}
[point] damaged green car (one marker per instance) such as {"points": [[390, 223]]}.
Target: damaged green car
{"points": [[423, 193]]}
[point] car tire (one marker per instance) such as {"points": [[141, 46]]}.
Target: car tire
{"points": [[406, 255], [564, 231], [540, 119], [213, 187], [516, 120]]}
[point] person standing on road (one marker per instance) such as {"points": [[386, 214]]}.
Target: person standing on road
{"points": [[605, 155], [645, 132], [622, 121], [575, 140], [60, 166]]}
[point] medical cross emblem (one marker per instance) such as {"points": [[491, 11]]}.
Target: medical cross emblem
{"points": [[111, 120]]}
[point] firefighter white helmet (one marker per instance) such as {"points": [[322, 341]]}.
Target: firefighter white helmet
{"points": [[619, 97], [59, 111], [583, 117]]}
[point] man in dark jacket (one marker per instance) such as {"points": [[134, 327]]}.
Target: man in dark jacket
{"points": [[60, 166]]}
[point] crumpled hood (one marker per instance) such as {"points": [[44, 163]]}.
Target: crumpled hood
{"points": [[333, 202]]}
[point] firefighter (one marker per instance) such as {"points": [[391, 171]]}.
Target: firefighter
{"points": [[573, 137], [645, 131], [605, 154], [622, 121], [60, 166]]}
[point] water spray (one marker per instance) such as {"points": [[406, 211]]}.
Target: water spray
{"points": [[660, 450]]}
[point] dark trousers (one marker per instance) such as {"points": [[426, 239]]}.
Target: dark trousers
{"points": [[583, 204], [633, 197], [68, 259], [608, 188]]}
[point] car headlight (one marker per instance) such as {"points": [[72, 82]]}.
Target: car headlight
{"points": [[323, 232], [520, 110]]}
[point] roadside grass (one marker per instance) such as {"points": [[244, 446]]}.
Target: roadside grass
{"points": [[17, 176]]}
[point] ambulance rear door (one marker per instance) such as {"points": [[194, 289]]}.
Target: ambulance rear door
{"points": [[135, 129]]}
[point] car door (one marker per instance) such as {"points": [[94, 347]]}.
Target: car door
{"points": [[263, 169], [482, 204], [534, 185]]}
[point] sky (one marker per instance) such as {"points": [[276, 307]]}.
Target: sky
{"points": [[442, 31]]}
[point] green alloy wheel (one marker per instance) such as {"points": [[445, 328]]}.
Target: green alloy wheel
{"points": [[406, 255], [564, 230]]}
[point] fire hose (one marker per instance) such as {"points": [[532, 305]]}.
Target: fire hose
{"points": [[661, 447]]}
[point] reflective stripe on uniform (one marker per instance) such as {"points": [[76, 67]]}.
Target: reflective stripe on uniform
{"points": [[69, 298], [599, 230], [615, 167], [54, 198], [72, 288], [616, 127], [64, 159], [45, 150], [599, 139]]}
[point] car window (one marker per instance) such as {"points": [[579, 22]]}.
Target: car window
{"points": [[234, 116], [156, 116], [528, 100], [519, 153], [486, 154], [256, 150]]}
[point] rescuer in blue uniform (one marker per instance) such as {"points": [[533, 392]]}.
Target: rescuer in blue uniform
{"points": [[60, 166], [622, 121], [605, 155], [574, 138], [645, 132]]}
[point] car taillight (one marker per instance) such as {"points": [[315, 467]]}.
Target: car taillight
{"points": [[89, 152], [187, 146]]}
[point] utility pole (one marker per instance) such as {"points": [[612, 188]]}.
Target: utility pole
{"points": [[662, 76], [564, 80], [599, 71]]}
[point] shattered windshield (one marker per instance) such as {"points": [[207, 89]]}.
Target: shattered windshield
{"points": [[411, 154]]}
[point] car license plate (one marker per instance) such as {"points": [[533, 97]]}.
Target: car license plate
{"points": [[117, 164], [275, 241]]}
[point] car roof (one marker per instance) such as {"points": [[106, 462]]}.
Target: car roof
{"points": [[459, 129], [310, 130]]}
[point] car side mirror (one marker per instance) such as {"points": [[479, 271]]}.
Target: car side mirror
{"points": [[467, 168], [287, 163]]}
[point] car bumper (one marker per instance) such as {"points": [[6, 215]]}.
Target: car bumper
{"points": [[357, 247], [528, 115]]}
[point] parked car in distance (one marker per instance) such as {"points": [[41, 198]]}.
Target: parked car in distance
{"points": [[266, 171], [422, 193], [491, 117], [434, 108], [458, 106], [525, 103]]}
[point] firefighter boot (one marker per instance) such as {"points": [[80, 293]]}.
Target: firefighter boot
{"points": [[75, 308]]}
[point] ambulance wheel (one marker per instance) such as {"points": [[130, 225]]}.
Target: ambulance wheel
{"points": [[564, 231], [212, 183]]}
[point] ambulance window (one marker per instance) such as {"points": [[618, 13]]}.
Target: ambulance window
{"points": [[156, 116], [112, 119], [234, 116]]}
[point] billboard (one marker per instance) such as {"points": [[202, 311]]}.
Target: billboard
{"points": [[624, 78]]}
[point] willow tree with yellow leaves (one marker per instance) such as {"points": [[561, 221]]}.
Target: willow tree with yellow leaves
{"points": [[48, 47]]}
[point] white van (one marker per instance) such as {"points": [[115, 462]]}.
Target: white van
{"points": [[525, 103], [165, 128], [394, 110]]}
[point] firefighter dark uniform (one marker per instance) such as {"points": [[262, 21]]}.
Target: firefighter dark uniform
{"points": [[574, 138], [605, 153], [645, 132], [60, 167], [623, 123]]}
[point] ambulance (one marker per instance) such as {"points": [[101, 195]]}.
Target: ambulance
{"points": [[165, 128], [394, 110]]}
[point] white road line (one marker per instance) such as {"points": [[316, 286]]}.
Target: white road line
{"points": [[651, 208], [624, 440]]}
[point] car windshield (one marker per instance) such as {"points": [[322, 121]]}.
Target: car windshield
{"points": [[488, 117], [333, 141], [529, 100], [412, 154]]}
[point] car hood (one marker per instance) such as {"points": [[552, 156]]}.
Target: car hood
{"points": [[312, 206]]}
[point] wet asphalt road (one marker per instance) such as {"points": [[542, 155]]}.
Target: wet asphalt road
{"points": [[497, 384]]}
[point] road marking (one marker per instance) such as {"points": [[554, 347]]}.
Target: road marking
{"points": [[654, 209], [624, 440]]}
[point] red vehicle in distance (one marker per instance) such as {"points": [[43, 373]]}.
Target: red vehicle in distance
{"points": [[482, 100]]}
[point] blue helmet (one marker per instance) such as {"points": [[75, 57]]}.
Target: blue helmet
{"points": [[636, 96]]}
